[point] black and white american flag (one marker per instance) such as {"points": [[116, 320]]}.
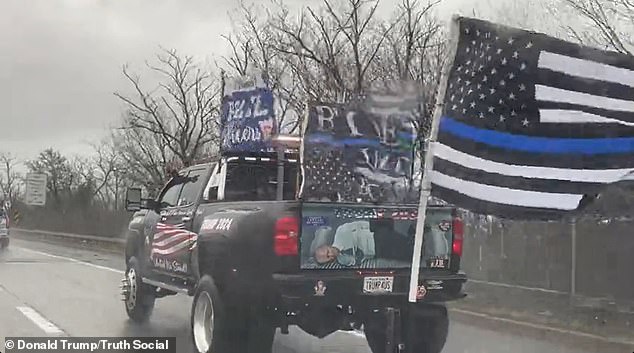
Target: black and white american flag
{"points": [[327, 175], [532, 126]]}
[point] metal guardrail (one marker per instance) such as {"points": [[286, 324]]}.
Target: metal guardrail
{"points": [[114, 244]]}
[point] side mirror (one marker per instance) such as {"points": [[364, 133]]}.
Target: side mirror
{"points": [[133, 199]]}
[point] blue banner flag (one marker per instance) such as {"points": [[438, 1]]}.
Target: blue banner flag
{"points": [[248, 121]]}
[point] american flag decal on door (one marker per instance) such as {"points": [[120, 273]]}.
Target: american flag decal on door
{"points": [[172, 240]]}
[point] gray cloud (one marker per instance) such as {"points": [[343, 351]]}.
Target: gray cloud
{"points": [[64, 61], [65, 56]]}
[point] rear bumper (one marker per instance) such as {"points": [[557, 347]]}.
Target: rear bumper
{"points": [[297, 290]]}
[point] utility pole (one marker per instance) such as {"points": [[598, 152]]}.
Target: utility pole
{"points": [[116, 188]]}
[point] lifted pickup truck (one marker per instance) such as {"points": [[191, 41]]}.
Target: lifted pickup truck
{"points": [[256, 258]]}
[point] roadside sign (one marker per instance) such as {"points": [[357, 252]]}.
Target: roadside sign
{"points": [[36, 189]]}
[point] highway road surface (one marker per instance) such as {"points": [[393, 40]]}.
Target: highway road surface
{"points": [[51, 290]]}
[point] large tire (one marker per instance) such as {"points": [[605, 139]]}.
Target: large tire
{"points": [[430, 331], [139, 302], [375, 330], [231, 324], [431, 327], [207, 318]]}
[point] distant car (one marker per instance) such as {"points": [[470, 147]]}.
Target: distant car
{"points": [[4, 229]]}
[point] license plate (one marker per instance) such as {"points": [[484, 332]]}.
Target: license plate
{"points": [[378, 284]]}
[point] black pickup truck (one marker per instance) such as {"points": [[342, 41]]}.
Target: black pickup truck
{"points": [[256, 258]]}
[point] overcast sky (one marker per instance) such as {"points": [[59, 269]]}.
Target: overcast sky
{"points": [[61, 60]]}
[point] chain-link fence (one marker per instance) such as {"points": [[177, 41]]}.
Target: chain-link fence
{"points": [[539, 255]]}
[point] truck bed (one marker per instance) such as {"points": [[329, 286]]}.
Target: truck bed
{"points": [[363, 236]]}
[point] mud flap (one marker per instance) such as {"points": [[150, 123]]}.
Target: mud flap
{"points": [[393, 343]]}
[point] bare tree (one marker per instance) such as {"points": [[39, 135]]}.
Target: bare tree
{"points": [[144, 157], [82, 171], [252, 49], [107, 168], [330, 53], [331, 50], [417, 29], [9, 178], [415, 51], [608, 24], [105, 160], [605, 24], [531, 15], [340, 49], [182, 111], [60, 177]]}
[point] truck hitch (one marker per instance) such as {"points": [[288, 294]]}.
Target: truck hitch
{"points": [[348, 322]]}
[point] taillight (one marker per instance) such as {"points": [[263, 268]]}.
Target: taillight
{"points": [[458, 232], [286, 234]]}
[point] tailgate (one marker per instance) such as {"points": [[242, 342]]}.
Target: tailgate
{"points": [[372, 237]]}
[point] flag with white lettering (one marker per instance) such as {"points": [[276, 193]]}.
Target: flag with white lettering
{"points": [[532, 126], [362, 151], [248, 120]]}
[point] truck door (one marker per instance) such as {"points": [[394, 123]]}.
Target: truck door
{"points": [[173, 239]]}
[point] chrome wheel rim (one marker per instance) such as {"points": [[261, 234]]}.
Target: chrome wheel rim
{"points": [[131, 299], [203, 322]]}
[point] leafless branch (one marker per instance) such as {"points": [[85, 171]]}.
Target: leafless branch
{"points": [[181, 111], [9, 178], [604, 18]]}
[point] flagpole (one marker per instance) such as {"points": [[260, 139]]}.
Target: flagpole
{"points": [[573, 260], [425, 190]]}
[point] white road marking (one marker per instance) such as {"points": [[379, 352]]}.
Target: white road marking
{"points": [[542, 327], [505, 285], [73, 260], [39, 320]]}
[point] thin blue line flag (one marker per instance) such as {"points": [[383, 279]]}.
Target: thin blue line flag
{"points": [[532, 126]]}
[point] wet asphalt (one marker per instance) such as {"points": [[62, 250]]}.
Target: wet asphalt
{"points": [[75, 293]]}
